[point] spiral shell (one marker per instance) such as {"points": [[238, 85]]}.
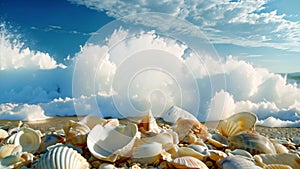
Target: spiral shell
{"points": [[251, 142], [62, 158], [238, 123]]}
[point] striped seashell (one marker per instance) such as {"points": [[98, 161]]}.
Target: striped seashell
{"points": [[188, 162], [277, 166], [62, 158]]}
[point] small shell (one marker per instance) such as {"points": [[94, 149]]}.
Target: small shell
{"points": [[200, 149], [185, 126], [147, 153], [218, 141], [188, 162], [148, 124], [49, 140], [216, 155], [107, 166], [107, 142], [10, 161], [62, 158], [277, 166], [238, 123], [236, 162], [290, 159], [76, 133], [186, 151], [239, 152], [3, 134], [28, 138], [251, 142], [280, 149], [9, 149], [174, 113], [166, 139]]}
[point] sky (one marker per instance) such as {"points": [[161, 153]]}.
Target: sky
{"points": [[265, 33]]}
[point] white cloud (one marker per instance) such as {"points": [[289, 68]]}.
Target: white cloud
{"points": [[223, 21]]}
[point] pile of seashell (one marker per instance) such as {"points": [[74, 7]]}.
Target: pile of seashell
{"points": [[177, 140]]}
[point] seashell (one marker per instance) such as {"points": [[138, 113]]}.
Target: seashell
{"points": [[236, 162], [28, 138], [191, 138], [3, 134], [239, 152], [200, 149], [277, 166], [76, 133], [251, 142], [165, 139], [216, 155], [296, 141], [238, 123], [107, 142], [186, 151], [280, 149], [107, 166], [218, 141], [92, 121], [185, 126], [49, 140], [286, 143], [148, 153], [188, 162], [148, 124], [62, 158], [10, 161], [290, 159], [9, 149], [174, 113]]}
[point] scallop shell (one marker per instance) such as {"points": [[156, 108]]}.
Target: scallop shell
{"points": [[76, 133], [238, 123], [251, 142], [28, 138], [148, 153], [48, 140], [148, 124], [188, 162], [236, 162], [62, 158], [174, 113], [185, 126], [9, 149], [107, 142], [290, 159], [3, 134]]}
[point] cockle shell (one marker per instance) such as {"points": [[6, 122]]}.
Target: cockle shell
{"points": [[148, 124], [107, 142], [290, 159], [251, 142], [238, 123], [148, 153], [185, 126], [236, 162], [9, 149], [62, 158], [48, 140], [3, 134], [188, 162], [76, 133], [174, 113], [28, 138]]}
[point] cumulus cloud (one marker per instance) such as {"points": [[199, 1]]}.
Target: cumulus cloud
{"points": [[243, 23]]}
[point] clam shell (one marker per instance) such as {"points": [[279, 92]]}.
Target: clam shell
{"points": [[185, 126], [236, 162], [147, 153], [28, 138], [3, 134], [251, 142], [218, 141], [62, 158], [239, 152], [107, 166], [186, 151], [76, 133], [280, 149], [290, 159], [9, 149], [174, 113], [216, 155], [188, 162], [107, 142], [238, 123]]}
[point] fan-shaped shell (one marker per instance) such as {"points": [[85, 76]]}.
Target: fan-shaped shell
{"points": [[9, 149], [76, 133], [236, 162], [185, 126], [3, 134], [28, 138], [106, 142], [62, 158], [290, 159], [237, 123], [188, 162], [147, 153], [251, 142]]}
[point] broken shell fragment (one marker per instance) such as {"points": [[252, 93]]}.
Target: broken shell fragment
{"points": [[148, 153], [185, 126], [9, 149], [148, 124], [76, 133]]}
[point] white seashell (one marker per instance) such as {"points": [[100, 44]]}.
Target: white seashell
{"points": [[174, 113], [238, 123], [107, 142], [9, 149], [251, 142], [107, 166], [236, 162], [148, 124], [280, 149], [147, 153], [239, 152], [76, 133], [166, 139], [200, 149], [3, 134], [186, 151], [28, 138], [216, 155], [290, 159], [62, 158], [188, 162]]}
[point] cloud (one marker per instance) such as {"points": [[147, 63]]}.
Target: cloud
{"points": [[243, 23]]}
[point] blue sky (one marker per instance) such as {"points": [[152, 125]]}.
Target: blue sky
{"points": [[265, 33]]}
